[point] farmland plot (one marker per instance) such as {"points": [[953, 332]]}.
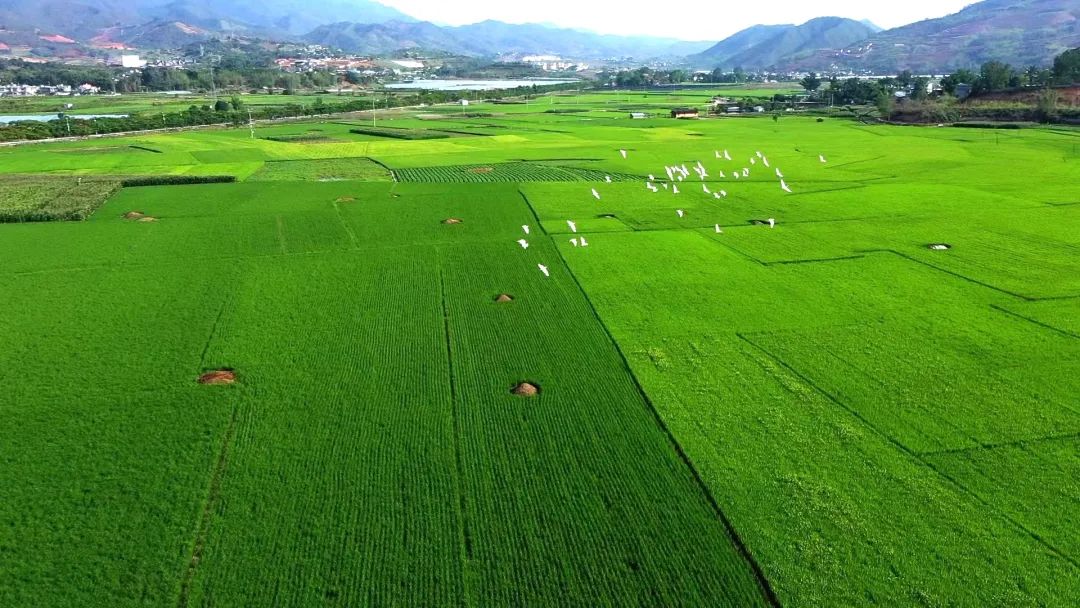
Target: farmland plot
{"points": [[506, 172]]}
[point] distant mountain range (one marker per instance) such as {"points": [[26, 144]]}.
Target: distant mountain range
{"points": [[1020, 32], [763, 46], [494, 38]]}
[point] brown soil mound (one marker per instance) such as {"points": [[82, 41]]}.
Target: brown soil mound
{"points": [[481, 170], [525, 389], [452, 220], [219, 376], [345, 199], [504, 297], [134, 215]]}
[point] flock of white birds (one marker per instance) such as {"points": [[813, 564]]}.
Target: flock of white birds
{"points": [[677, 174]]}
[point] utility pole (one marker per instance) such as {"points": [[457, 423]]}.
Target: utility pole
{"points": [[251, 124], [373, 108]]}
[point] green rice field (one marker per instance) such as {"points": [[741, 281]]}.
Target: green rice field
{"points": [[871, 403]]}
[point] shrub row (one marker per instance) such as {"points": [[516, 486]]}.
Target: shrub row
{"points": [[176, 180]]}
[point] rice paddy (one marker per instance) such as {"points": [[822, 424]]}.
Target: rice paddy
{"points": [[310, 387]]}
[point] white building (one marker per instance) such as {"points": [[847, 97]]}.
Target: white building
{"points": [[132, 61]]}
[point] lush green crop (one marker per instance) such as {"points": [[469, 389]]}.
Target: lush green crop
{"points": [[862, 419]]}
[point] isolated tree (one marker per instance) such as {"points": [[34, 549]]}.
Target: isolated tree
{"points": [[221, 106], [1046, 105], [886, 104], [811, 83], [904, 78], [919, 87], [1067, 67], [236, 103]]}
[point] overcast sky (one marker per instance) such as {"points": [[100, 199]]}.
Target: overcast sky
{"points": [[710, 20]]}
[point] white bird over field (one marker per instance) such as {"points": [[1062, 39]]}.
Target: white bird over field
{"points": [[722, 174], [665, 185], [573, 242], [779, 174], [717, 153], [717, 228], [735, 175], [524, 244], [726, 155], [544, 270], [595, 194], [745, 172], [651, 178], [679, 212], [753, 161], [572, 225], [623, 152], [674, 189], [821, 157], [607, 178], [784, 187], [723, 193], [772, 223], [765, 161], [758, 153], [716, 195], [584, 243], [525, 228], [705, 188]]}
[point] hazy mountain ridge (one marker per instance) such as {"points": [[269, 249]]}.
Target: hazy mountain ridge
{"points": [[765, 46]]}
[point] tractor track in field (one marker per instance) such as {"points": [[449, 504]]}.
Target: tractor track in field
{"points": [[733, 535]]}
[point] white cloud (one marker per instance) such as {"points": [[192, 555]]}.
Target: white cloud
{"points": [[688, 21]]}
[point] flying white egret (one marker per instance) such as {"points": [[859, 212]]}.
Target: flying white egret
{"points": [[735, 175], [784, 187], [584, 243], [524, 244], [758, 153], [717, 153], [674, 189], [595, 194], [572, 225], [779, 174], [679, 212], [716, 195], [726, 155], [745, 172], [722, 174], [723, 193], [525, 228], [772, 223], [753, 161], [684, 170], [623, 152], [705, 188], [665, 185], [765, 161], [544, 270], [651, 178], [821, 157], [717, 228], [607, 179], [573, 242]]}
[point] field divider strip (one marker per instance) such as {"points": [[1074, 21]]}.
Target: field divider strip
{"points": [[1005, 444], [732, 533], [212, 499], [1011, 313], [348, 230], [952, 273], [990, 507], [465, 530]]}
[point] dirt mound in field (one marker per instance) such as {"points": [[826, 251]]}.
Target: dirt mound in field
{"points": [[134, 215], [452, 220], [504, 297], [481, 169], [939, 246], [607, 216], [345, 199], [525, 389], [218, 376]]}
